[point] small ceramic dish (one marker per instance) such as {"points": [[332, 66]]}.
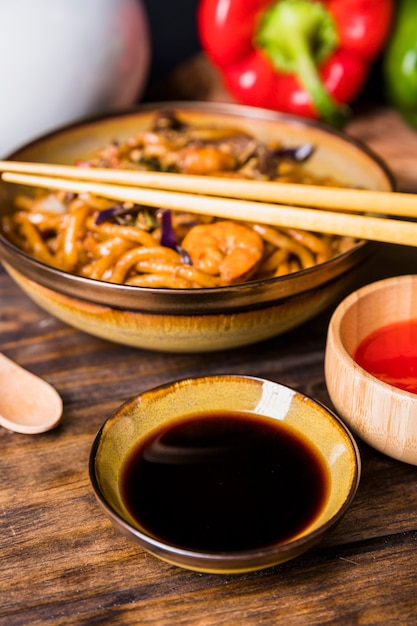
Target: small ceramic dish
{"points": [[206, 319], [196, 501], [380, 413]]}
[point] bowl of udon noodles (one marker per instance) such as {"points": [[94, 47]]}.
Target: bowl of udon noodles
{"points": [[172, 280]]}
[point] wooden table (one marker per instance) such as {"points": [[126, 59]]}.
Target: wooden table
{"points": [[61, 561]]}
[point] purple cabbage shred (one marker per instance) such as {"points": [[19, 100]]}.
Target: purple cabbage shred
{"points": [[114, 211], [169, 238], [299, 154]]}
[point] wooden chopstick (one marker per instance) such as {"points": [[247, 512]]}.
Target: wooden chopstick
{"points": [[334, 198], [358, 226]]}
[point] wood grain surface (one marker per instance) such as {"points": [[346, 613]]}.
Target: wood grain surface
{"points": [[61, 561]]}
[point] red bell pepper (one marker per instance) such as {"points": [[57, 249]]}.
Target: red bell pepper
{"points": [[305, 57]]}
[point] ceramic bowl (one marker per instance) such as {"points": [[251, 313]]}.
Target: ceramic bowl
{"points": [[381, 414], [79, 58], [157, 409], [196, 320]]}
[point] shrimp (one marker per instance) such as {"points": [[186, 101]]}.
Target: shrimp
{"points": [[227, 249], [204, 160]]}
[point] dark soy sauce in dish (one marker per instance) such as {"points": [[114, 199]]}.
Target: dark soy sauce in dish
{"points": [[224, 481]]}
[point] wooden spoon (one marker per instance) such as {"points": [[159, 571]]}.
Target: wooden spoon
{"points": [[28, 404]]}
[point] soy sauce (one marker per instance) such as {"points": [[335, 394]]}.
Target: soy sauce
{"points": [[225, 481]]}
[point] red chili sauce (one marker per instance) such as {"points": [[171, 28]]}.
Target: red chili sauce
{"points": [[390, 354]]}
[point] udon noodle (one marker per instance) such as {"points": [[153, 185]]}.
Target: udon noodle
{"points": [[146, 247]]}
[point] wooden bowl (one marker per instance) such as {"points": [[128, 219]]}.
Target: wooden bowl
{"points": [[382, 415], [195, 320], [255, 399]]}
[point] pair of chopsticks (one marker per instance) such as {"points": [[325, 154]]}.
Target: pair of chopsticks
{"points": [[337, 211]]}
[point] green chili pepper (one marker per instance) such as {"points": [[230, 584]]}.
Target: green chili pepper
{"points": [[400, 62]]}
